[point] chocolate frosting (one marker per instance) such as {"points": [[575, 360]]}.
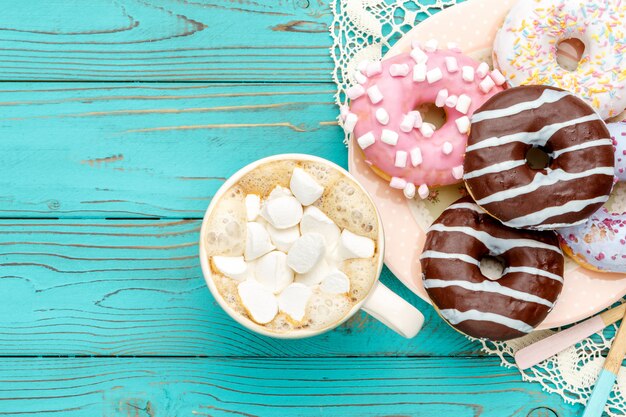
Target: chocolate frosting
{"points": [[578, 179], [501, 309]]}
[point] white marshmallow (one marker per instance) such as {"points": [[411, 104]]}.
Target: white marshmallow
{"points": [[397, 183], [427, 130], [373, 68], [399, 70], [389, 137], [234, 267], [463, 124], [409, 190], [282, 212], [419, 56], [304, 187], [468, 73], [336, 282], [258, 241], [423, 191], [463, 103], [447, 148], [354, 246], [272, 271], [258, 301], [441, 98], [453, 46], [452, 64], [382, 116], [419, 72], [497, 77], [293, 300], [315, 221], [283, 238], [486, 85], [416, 156], [279, 191], [457, 172], [355, 91], [408, 122], [434, 75], [350, 122], [366, 140], [306, 252], [374, 94], [253, 207], [362, 66], [417, 119], [401, 157], [360, 77], [431, 45], [452, 101], [482, 70], [315, 275]]}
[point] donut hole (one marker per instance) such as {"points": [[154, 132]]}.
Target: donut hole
{"points": [[538, 158], [492, 267], [432, 114], [569, 52]]}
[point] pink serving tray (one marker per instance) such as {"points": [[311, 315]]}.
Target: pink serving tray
{"points": [[472, 25]]}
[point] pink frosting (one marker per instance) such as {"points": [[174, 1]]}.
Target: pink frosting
{"points": [[442, 153]]}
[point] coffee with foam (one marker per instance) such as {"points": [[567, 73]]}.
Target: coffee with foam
{"points": [[335, 209]]}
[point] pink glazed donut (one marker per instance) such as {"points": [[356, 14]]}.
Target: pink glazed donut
{"points": [[399, 147], [600, 243]]}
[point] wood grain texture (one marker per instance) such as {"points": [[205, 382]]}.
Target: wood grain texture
{"points": [[121, 150], [166, 40], [82, 287], [371, 387]]}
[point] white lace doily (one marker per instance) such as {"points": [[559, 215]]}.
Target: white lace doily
{"points": [[366, 29]]}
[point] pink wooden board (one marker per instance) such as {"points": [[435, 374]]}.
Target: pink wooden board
{"points": [[472, 25]]}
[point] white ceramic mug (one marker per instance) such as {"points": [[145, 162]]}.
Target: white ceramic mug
{"points": [[381, 303]]}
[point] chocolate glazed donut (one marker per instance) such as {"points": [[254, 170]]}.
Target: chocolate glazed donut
{"points": [[575, 183], [501, 309]]}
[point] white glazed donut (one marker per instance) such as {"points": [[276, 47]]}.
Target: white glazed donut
{"points": [[526, 45]]}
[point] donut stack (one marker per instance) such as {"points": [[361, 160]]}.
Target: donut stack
{"points": [[518, 211]]}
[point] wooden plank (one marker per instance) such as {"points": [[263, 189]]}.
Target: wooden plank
{"points": [[160, 387], [120, 150], [82, 287], [159, 40]]}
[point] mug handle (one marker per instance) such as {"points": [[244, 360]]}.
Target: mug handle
{"points": [[393, 311]]}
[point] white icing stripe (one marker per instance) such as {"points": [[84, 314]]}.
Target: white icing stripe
{"points": [[542, 180], [548, 96], [467, 206], [584, 145], [562, 225], [495, 245], [431, 254], [540, 216], [499, 167], [455, 317], [532, 271], [538, 138], [488, 286]]}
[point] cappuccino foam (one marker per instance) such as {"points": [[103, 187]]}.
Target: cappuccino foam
{"points": [[342, 201]]}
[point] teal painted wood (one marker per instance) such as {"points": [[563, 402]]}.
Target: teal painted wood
{"points": [[166, 40], [120, 150], [95, 287], [373, 387]]}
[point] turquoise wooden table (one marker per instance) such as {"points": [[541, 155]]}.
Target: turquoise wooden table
{"points": [[118, 121]]}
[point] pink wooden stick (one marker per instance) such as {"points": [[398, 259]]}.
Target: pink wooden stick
{"points": [[550, 346]]}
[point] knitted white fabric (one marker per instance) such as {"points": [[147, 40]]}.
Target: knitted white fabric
{"points": [[366, 29]]}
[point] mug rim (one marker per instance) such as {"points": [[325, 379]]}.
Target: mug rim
{"points": [[206, 269]]}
